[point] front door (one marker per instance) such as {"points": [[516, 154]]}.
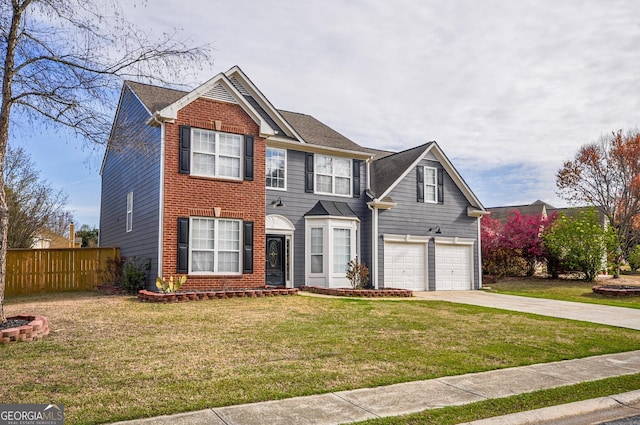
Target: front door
{"points": [[275, 260]]}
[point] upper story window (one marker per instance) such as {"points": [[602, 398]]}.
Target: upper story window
{"points": [[333, 175], [276, 168], [129, 211], [430, 184], [215, 154]]}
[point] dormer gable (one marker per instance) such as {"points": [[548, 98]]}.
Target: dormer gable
{"points": [[218, 88]]}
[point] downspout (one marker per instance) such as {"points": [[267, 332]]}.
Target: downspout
{"points": [[374, 230], [374, 244], [161, 195], [479, 253]]}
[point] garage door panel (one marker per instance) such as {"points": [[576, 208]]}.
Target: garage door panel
{"points": [[453, 267], [404, 265]]}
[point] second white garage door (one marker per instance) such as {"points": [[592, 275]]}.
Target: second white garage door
{"points": [[453, 267], [405, 265]]}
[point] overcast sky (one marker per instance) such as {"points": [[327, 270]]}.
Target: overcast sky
{"points": [[509, 89]]}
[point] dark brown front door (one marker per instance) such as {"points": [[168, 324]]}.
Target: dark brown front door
{"points": [[275, 260]]}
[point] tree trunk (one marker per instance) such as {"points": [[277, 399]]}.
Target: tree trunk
{"points": [[5, 110], [4, 226]]}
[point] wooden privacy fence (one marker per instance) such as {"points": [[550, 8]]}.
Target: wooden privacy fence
{"points": [[31, 271]]}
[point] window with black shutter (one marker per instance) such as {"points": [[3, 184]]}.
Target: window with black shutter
{"points": [[183, 245]]}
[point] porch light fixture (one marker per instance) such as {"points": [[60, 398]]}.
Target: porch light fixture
{"points": [[277, 203]]}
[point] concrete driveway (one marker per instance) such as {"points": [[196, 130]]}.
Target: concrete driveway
{"points": [[596, 313]]}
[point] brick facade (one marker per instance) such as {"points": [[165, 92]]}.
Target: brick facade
{"points": [[190, 196]]}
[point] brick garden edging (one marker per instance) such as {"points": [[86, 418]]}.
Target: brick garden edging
{"points": [[37, 328], [181, 296], [618, 291], [370, 293]]}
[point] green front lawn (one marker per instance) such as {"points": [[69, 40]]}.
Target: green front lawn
{"points": [[567, 290], [113, 358]]}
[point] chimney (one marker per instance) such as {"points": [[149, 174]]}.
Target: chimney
{"points": [[72, 235]]}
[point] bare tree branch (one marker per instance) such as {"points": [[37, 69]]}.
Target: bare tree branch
{"points": [[63, 64]]}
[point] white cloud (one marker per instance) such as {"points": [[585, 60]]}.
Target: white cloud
{"points": [[501, 85]]}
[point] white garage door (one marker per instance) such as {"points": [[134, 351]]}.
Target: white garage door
{"points": [[404, 266], [453, 267]]}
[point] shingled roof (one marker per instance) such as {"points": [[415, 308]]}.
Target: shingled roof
{"points": [[309, 128], [385, 171], [317, 133], [153, 97]]}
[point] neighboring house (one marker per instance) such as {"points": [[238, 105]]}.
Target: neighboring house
{"points": [[545, 209], [538, 207], [218, 184], [46, 239]]}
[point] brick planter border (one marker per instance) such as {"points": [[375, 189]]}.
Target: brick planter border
{"points": [[613, 291], [182, 296], [368, 293], [37, 328]]}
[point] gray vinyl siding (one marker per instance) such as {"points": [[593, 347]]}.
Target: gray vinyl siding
{"points": [[415, 218], [132, 170], [298, 203]]}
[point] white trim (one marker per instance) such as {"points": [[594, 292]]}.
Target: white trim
{"points": [[333, 176], [129, 216], [275, 141], [276, 224], [170, 112], [161, 199], [389, 237], [374, 247], [217, 154], [263, 101], [454, 240], [435, 185], [409, 240], [479, 254], [328, 278], [460, 242], [282, 189], [216, 250], [448, 167]]}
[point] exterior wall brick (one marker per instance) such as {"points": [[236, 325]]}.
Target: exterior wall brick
{"points": [[186, 195]]}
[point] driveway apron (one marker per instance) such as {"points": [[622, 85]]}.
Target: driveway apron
{"points": [[595, 313]]}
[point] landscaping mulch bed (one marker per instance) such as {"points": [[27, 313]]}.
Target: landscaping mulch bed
{"points": [[24, 328], [182, 296], [617, 290], [369, 293]]}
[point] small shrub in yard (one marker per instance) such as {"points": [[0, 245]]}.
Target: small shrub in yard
{"points": [[114, 272], [135, 273], [634, 258], [358, 274], [170, 285]]}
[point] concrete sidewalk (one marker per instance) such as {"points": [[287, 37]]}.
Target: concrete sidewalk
{"points": [[367, 403], [595, 313]]}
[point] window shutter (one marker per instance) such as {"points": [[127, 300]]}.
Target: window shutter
{"points": [[183, 245], [247, 263], [356, 178], [248, 157], [185, 149], [420, 183], [308, 173], [440, 186]]}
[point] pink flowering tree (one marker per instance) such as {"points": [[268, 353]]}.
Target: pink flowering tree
{"points": [[515, 245]]}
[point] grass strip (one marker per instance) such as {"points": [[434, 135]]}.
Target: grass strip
{"points": [[518, 403]]}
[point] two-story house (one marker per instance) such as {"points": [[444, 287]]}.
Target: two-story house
{"points": [[218, 184]]}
